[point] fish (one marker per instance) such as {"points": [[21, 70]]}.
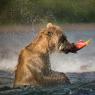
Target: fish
{"points": [[81, 44]]}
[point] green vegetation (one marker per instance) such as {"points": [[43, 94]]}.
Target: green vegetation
{"points": [[35, 11]]}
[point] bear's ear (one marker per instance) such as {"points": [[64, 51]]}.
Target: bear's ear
{"points": [[49, 25]]}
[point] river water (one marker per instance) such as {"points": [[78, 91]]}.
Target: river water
{"points": [[80, 67]]}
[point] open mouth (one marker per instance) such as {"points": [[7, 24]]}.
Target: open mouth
{"points": [[64, 48], [67, 48]]}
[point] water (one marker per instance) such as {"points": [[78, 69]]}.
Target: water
{"points": [[80, 67], [76, 88]]}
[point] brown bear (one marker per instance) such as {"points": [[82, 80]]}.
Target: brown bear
{"points": [[33, 66]]}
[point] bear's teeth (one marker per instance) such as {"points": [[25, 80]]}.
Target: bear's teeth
{"points": [[61, 47]]}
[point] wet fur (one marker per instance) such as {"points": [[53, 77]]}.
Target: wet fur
{"points": [[33, 66]]}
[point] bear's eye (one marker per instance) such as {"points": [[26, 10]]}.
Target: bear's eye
{"points": [[50, 33]]}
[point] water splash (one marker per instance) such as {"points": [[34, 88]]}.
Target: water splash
{"points": [[12, 42]]}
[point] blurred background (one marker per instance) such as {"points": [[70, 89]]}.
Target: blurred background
{"points": [[39, 11]]}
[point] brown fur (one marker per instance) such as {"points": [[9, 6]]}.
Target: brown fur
{"points": [[34, 65]]}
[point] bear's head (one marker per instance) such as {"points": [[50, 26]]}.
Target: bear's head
{"points": [[54, 38]]}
